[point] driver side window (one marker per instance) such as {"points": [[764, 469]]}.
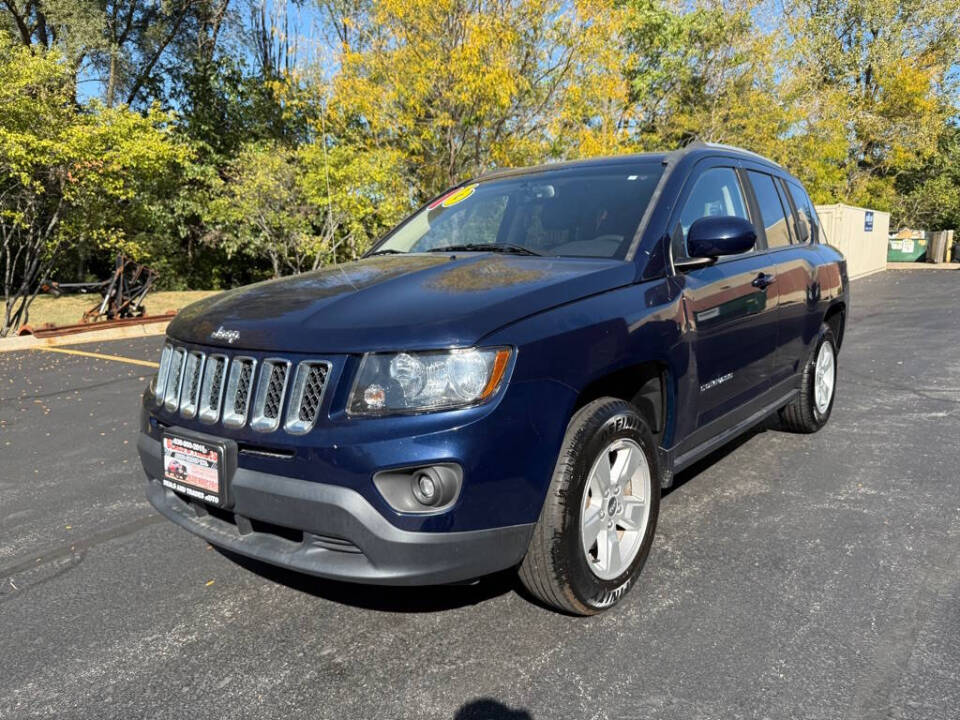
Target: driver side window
{"points": [[716, 193]]}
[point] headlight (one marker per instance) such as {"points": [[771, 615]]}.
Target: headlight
{"points": [[427, 381]]}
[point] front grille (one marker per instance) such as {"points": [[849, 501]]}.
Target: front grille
{"points": [[192, 376], [211, 392], [217, 388], [270, 392], [171, 398], [308, 387], [312, 392], [243, 387], [275, 387], [238, 391], [163, 373]]}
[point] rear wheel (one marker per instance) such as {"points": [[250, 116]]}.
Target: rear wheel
{"points": [[811, 409], [598, 520]]}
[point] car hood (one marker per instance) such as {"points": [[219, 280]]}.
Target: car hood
{"points": [[394, 302]]}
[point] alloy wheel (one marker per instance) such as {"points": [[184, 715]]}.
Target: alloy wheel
{"points": [[616, 508]]}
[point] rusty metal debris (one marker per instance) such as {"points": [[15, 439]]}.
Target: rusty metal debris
{"points": [[120, 304], [50, 330], [122, 294]]}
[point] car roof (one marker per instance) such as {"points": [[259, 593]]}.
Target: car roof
{"points": [[691, 152], [610, 161]]}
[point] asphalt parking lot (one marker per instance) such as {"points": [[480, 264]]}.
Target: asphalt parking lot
{"points": [[792, 576]]}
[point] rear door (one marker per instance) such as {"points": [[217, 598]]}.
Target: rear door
{"points": [[731, 308], [800, 288], [788, 245]]}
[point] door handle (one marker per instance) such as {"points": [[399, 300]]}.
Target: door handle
{"points": [[763, 280]]}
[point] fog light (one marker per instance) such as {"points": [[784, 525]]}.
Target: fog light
{"points": [[426, 486], [428, 489]]}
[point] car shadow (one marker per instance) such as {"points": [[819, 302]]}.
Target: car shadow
{"points": [[436, 598], [490, 709], [424, 599]]}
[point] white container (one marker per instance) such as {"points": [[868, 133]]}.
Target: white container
{"points": [[859, 233]]}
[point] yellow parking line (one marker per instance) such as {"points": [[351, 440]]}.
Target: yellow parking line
{"points": [[100, 356]]}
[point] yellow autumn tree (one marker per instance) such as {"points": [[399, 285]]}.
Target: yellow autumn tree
{"points": [[456, 86], [883, 70]]}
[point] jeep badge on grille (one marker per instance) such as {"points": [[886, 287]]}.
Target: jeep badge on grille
{"points": [[231, 336]]}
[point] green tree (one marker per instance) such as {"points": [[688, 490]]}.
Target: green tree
{"points": [[132, 48], [357, 194], [928, 197], [71, 177], [455, 86], [298, 209], [261, 211], [884, 70]]}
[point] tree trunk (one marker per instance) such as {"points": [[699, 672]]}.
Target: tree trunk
{"points": [[112, 79]]}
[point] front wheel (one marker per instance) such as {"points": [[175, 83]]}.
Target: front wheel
{"points": [[811, 409], [600, 514]]}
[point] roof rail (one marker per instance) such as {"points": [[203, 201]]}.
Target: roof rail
{"points": [[734, 148]]}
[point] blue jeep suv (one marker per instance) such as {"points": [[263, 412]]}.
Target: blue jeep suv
{"points": [[507, 379]]}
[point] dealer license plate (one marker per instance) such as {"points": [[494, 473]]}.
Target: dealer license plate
{"points": [[194, 468]]}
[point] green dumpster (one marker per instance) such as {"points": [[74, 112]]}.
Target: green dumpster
{"points": [[906, 249]]}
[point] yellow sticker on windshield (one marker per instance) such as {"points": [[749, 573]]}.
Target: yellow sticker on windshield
{"points": [[458, 196]]}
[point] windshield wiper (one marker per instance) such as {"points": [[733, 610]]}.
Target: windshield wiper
{"points": [[487, 247], [386, 251]]}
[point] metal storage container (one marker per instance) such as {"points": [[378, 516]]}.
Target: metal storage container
{"points": [[859, 233]]}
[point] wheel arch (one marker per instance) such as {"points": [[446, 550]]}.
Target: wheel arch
{"points": [[836, 318], [644, 385]]}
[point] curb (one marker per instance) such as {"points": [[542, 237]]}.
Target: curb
{"points": [[922, 266], [30, 342]]}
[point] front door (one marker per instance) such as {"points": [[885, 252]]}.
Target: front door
{"points": [[731, 310], [732, 318]]}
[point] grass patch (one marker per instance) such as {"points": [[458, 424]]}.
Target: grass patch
{"points": [[69, 309]]}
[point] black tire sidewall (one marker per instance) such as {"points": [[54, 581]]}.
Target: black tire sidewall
{"points": [[821, 418], [609, 424]]}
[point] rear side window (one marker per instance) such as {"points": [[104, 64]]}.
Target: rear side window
{"points": [[809, 223], [788, 207], [716, 193], [773, 213]]}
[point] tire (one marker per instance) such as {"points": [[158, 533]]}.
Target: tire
{"points": [[558, 569], [804, 415]]}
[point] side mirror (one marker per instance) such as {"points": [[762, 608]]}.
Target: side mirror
{"points": [[713, 237]]}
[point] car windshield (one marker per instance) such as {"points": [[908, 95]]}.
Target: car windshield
{"points": [[592, 212]]}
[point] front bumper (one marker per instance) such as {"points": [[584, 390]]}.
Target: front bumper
{"points": [[331, 531]]}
